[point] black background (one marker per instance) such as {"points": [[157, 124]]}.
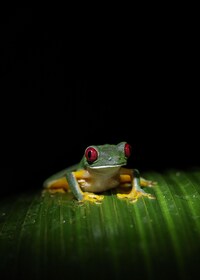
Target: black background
{"points": [[66, 85]]}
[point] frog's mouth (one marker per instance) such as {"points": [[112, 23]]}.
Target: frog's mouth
{"points": [[105, 170], [106, 166]]}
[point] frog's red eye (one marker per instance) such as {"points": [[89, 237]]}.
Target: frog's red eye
{"points": [[127, 150], [91, 154]]}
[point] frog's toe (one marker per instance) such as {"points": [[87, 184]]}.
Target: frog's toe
{"points": [[151, 196], [126, 196], [134, 195], [140, 193], [152, 183], [148, 183], [92, 197]]}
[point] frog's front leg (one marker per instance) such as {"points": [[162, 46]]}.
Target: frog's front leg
{"points": [[75, 179], [136, 183]]}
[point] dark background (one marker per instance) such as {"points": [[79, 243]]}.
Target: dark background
{"points": [[66, 85]]}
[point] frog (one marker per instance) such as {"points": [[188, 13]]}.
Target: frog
{"points": [[101, 169]]}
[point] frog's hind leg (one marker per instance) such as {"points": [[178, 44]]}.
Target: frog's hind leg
{"points": [[58, 182], [57, 185]]}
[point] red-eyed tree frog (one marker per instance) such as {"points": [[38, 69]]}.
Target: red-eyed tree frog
{"points": [[101, 169]]}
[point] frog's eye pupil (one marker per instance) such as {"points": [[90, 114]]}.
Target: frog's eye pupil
{"points": [[91, 154], [127, 150]]}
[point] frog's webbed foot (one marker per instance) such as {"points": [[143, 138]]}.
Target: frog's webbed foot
{"points": [[91, 197], [134, 195]]}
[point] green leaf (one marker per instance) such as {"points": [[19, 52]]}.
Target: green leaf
{"points": [[52, 235]]}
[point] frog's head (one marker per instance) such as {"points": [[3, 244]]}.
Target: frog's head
{"points": [[107, 156]]}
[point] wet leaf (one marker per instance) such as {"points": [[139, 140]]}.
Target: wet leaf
{"points": [[52, 235]]}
